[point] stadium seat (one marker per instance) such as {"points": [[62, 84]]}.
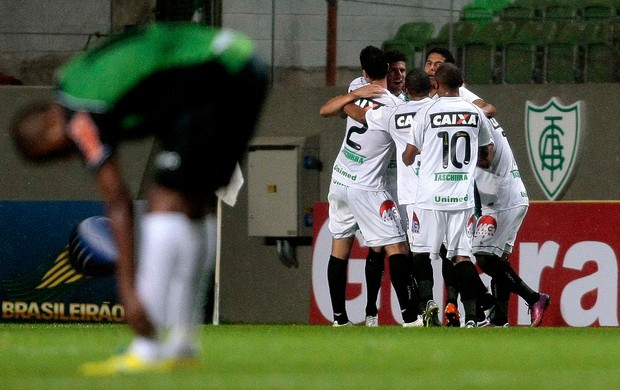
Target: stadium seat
{"points": [[598, 9], [481, 54], [566, 52], [477, 13], [524, 53], [411, 38], [562, 11], [518, 13], [602, 55], [452, 35], [442, 38]]}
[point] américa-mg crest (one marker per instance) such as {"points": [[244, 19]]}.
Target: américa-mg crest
{"points": [[554, 134]]}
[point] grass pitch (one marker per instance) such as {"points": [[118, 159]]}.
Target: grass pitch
{"points": [[48, 356]]}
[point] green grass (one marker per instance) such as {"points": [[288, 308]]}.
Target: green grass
{"points": [[321, 357]]}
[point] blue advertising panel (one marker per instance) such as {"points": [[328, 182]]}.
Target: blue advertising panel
{"points": [[37, 280]]}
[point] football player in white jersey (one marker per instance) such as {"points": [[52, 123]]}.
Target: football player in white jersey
{"points": [[504, 204], [398, 121], [358, 196], [375, 261], [435, 57], [452, 136]]}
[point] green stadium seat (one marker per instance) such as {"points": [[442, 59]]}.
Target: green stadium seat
{"points": [[442, 39], [562, 11], [459, 30], [565, 52], [481, 54], [602, 55], [477, 13], [518, 13], [524, 53], [411, 38], [598, 9]]}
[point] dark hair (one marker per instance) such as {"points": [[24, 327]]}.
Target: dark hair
{"points": [[374, 62], [395, 55], [445, 53], [418, 83], [449, 75]]}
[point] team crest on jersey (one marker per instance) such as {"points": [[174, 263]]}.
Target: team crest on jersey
{"points": [[486, 226], [403, 121], [389, 212], [415, 223], [452, 119], [554, 136]]}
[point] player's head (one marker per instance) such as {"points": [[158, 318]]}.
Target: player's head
{"points": [[436, 56], [38, 132], [449, 78], [397, 68], [417, 83], [374, 62]]}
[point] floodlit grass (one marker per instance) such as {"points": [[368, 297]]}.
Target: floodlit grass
{"points": [[321, 357]]}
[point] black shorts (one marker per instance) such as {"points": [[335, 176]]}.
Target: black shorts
{"points": [[203, 118]]}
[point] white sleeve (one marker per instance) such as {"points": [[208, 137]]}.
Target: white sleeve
{"points": [[373, 119], [486, 129], [416, 138], [377, 119], [468, 95]]}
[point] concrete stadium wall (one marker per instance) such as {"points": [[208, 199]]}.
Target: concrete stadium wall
{"points": [[255, 286], [37, 36]]}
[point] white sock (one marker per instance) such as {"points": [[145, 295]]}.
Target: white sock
{"points": [[146, 349], [162, 243], [188, 291]]}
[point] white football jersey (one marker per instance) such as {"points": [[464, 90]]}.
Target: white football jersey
{"points": [[448, 133], [365, 154], [465, 93], [398, 122], [500, 186], [392, 174]]}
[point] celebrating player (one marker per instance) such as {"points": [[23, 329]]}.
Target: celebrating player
{"points": [[504, 204], [453, 136], [358, 196]]}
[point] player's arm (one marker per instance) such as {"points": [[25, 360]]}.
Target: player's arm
{"points": [[335, 105], [119, 208], [411, 150], [485, 155], [409, 154], [355, 112], [486, 148], [488, 109]]}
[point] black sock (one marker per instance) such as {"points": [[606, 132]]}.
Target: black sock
{"points": [[465, 276], [424, 276], [501, 292], [414, 290], [501, 270], [400, 275], [375, 265], [447, 270], [337, 281]]}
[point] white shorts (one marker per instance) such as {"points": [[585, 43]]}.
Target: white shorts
{"points": [[374, 213], [428, 229], [496, 232]]}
